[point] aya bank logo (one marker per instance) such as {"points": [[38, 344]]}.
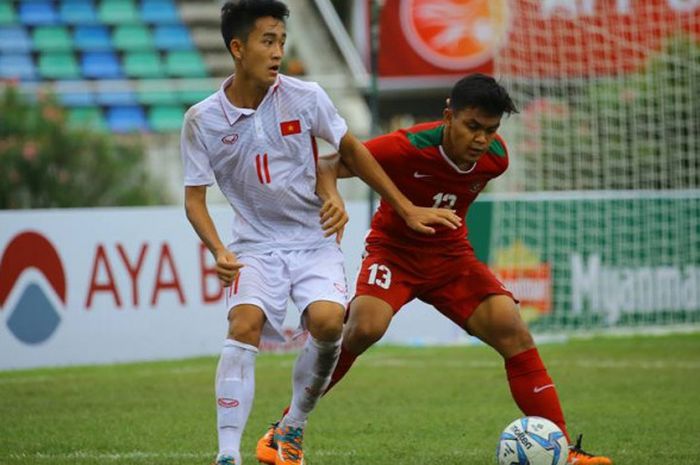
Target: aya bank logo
{"points": [[33, 317]]}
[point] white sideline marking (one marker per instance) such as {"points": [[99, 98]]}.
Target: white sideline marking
{"points": [[383, 362], [140, 455]]}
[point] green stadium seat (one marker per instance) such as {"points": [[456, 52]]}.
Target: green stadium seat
{"points": [[7, 13], [156, 93], [87, 117], [118, 12], [185, 64], [132, 37], [58, 66], [52, 39], [143, 65], [166, 118], [191, 91]]}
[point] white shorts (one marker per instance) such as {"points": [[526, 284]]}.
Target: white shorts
{"points": [[268, 280]]}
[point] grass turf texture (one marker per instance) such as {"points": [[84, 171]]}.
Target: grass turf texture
{"points": [[636, 399]]}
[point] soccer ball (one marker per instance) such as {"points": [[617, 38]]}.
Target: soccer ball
{"points": [[532, 441]]}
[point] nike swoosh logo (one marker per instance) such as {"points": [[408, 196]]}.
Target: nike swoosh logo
{"points": [[419, 175], [539, 389]]}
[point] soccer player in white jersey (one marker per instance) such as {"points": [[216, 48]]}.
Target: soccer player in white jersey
{"points": [[255, 138]]}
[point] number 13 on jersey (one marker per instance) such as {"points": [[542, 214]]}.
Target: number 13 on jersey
{"points": [[379, 275]]}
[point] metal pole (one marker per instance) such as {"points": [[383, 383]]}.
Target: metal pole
{"points": [[375, 14]]}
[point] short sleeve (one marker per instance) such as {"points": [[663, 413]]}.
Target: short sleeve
{"points": [[327, 124], [386, 149], [198, 171]]}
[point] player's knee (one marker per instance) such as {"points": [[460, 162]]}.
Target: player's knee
{"points": [[361, 335], [513, 339], [328, 328]]}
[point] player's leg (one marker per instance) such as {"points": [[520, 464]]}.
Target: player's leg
{"points": [[497, 322], [235, 379], [318, 287], [249, 316]]}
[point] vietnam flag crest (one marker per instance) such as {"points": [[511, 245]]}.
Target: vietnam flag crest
{"points": [[290, 127]]}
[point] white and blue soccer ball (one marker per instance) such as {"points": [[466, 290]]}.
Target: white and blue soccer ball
{"points": [[532, 441]]}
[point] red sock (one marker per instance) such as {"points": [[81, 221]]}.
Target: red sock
{"points": [[345, 361], [533, 389]]}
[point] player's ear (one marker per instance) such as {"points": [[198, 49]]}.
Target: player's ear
{"points": [[236, 48], [447, 115]]}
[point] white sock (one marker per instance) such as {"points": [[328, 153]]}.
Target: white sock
{"points": [[312, 373], [235, 389]]}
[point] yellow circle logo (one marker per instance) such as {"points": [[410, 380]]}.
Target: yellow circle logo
{"points": [[455, 34]]}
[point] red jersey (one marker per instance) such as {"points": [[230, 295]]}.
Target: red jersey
{"points": [[414, 159]]}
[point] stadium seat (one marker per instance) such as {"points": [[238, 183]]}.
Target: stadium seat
{"points": [[52, 39], [126, 119], [92, 38], [173, 37], [74, 94], [101, 65], [185, 64], [159, 12], [35, 13], [14, 39], [77, 12], [191, 92], [132, 37], [7, 13], [58, 66], [166, 118], [151, 92], [17, 66], [143, 65], [118, 12], [87, 117], [115, 93]]}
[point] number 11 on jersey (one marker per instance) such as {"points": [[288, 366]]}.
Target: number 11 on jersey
{"points": [[263, 168]]}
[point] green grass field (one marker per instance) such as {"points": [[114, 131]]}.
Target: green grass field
{"points": [[634, 398]]}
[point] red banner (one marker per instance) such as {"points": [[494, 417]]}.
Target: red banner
{"points": [[547, 38]]}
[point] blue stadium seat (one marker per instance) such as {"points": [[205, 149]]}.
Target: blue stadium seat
{"points": [[78, 12], [92, 38], [35, 12], [159, 12], [173, 37], [101, 65], [127, 119], [115, 93], [17, 66], [14, 39], [74, 94]]}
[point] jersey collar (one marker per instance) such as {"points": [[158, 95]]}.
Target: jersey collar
{"points": [[233, 112], [454, 165]]}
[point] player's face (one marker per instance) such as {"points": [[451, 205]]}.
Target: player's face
{"points": [[468, 134], [260, 56]]}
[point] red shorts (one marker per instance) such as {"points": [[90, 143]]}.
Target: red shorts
{"points": [[454, 285]]}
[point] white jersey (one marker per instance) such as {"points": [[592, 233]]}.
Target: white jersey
{"points": [[264, 161]]}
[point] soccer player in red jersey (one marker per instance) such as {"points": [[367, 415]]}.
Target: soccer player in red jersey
{"points": [[446, 163]]}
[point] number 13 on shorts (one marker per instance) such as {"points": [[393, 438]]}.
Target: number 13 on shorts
{"points": [[379, 275]]}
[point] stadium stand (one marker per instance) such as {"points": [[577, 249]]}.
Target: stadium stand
{"points": [[121, 65]]}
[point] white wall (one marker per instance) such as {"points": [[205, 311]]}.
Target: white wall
{"points": [[163, 309]]}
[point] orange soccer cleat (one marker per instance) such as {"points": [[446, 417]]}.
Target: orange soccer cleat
{"points": [[266, 450], [289, 450], [578, 456]]}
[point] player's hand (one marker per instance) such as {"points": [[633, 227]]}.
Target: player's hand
{"points": [[418, 219], [334, 217], [227, 266]]}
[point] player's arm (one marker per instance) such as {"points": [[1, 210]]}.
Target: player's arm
{"points": [[227, 266], [360, 161], [334, 217]]}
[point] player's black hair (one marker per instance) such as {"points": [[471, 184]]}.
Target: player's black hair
{"points": [[238, 17], [483, 92]]}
